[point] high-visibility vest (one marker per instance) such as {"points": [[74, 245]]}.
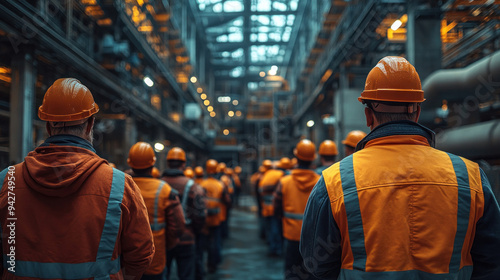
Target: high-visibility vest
{"points": [[214, 189]]}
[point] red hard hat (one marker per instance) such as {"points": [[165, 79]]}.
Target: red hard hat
{"points": [[67, 100], [141, 156], [393, 79]]}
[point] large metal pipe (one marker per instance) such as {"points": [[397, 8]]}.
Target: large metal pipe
{"points": [[476, 141], [477, 81]]}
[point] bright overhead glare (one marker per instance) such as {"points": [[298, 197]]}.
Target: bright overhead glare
{"points": [[159, 147], [210, 108], [148, 81], [206, 102], [235, 102], [230, 114], [203, 96], [397, 24], [274, 68], [194, 79], [224, 99], [226, 131], [238, 113], [199, 90], [262, 74], [310, 123], [212, 114]]}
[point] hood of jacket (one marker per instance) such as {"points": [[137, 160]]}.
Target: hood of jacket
{"points": [[305, 178], [60, 166]]}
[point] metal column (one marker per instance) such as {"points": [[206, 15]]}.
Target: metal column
{"points": [[22, 103]]}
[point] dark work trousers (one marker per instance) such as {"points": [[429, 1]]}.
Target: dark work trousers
{"points": [[161, 276], [185, 258], [294, 267], [200, 268], [274, 239], [213, 244]]}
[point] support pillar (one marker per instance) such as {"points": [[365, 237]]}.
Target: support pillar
{"points": [[22, 103], [423, 44]]}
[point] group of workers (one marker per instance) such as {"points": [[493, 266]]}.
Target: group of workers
{"points": [[282, 189], [396, 208]]}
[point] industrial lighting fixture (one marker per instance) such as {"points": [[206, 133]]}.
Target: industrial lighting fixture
{"points": [[230, 114], [147, 80], [203, 96], [212, 114], [193, 79], [262, 74], [206, 102], [310, 123], [396, 25], [210, 108], [199, 90], [238, 113], [159, 147], [273, 71], [235, 102], [226, 131], [224, 99]]}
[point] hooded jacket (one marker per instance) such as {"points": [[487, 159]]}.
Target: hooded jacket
{"points": [[290, 200], [400, 209], [267, 186], [76, 217]]}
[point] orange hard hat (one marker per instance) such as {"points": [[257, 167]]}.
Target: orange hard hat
{"points": [[305, 150], [220, 167], [262, 169], [267, 163], [294, 162], [228, 171], [176, 153], [156, 172], [67, 100], [328, 148], [237, 170], [198, 171], [211, 166], [141, 156], [353, 138], [188, 172], [393, 79], [285, 163]]}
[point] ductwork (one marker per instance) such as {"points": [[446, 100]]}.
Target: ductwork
{"points": [[476, 141], [477, 81]]}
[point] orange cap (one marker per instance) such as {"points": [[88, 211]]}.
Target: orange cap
{"points": [[176, 153], [198, 171], [220, 167], [328, 148], [188, 172], [267, 163], [156, 172], [237, 170], [393, 79], [228, 171], [353, 138], [211, 166], [141, 156], [305, 150], [67, 100], [285, 163]]}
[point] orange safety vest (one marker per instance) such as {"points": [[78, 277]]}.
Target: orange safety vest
{"points": [[267, 186], [214, 189], [295, 190]]}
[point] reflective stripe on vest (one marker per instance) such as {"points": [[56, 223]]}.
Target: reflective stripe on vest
{"points": [[267, 199], [463, 211], [185, 196], [353, 213], [103, 267], [293, 216], [155, 225]]}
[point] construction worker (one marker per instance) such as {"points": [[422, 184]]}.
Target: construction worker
{"points": [[398, 208], [351, 141], [254, 182], [285, 164], [217, 196], [327, 154], [226, 207], [198, 174], [290, 200], [164, 208], [68, 218], [189, 172], [267, 186], [193, 202], [237, 184]]}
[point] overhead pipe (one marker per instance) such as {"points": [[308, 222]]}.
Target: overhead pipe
{"points": [[476, 141]]}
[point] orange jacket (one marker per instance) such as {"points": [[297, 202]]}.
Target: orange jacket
{"points": [[215, 192], [165, 217], [76, 216], [236, 180], [267, 185], [291, 199], [228, 190]]}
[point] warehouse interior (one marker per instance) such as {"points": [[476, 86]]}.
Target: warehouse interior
{"points": [[244, 80]]}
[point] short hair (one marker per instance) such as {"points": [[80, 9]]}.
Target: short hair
{"points": [[175, 164], [74, 129], [329, 158], [303, 164], [143, 172], [383, 117]]}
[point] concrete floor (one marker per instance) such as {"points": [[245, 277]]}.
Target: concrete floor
{"points": [[244, 253]]}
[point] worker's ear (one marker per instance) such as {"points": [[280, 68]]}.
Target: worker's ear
{"points": [[418, 112], [47, 127], [90, 125], [370, 118]]}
